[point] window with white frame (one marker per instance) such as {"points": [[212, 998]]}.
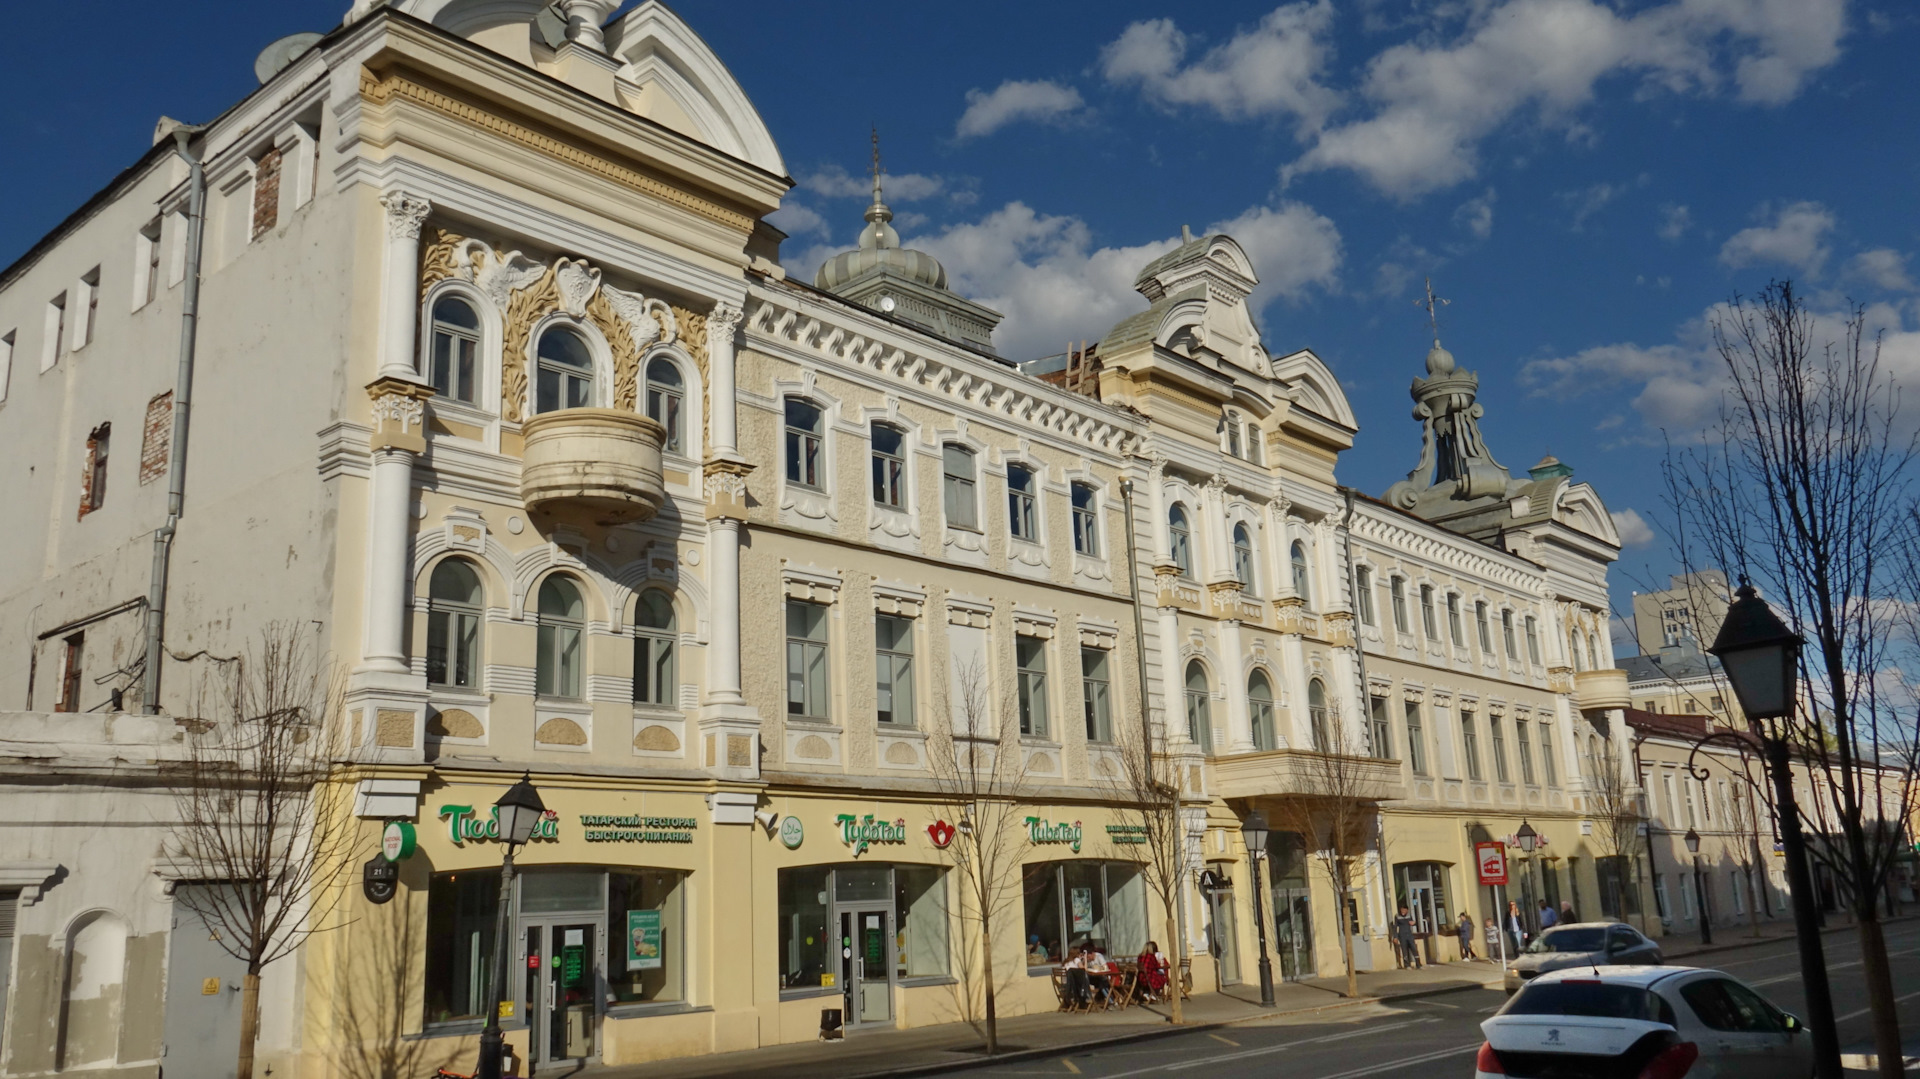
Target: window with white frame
{"points": [[1243, 557], [562, 622], [1363, 593], [889, 465], [456, 609], [1096, 694], [1497, 733], [1086, 525], [1317, 720], [6, 362], [1300, 574], [565, 376], [1021, 521], [54, 344], [1416, 739], [1525, 746], [146, 264], [1426, 613], [1382, 727], [1180, 540], [667, 401], [89, 308], [1547, 766], [1253, 443], [1573, 650], [1506, 634], [1533, 641], [1470, 741], [807, 661], [1231, 424], [1199, 717], [1453, 620], [958, 486], [1480, 623], [453, 349], [1030, 666], [803, 445], [1397, 586], [893, 669], [655, 649], [1260, 711]]}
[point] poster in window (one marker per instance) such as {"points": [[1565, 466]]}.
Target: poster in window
{"points": [[643, 940], [1082, 901]]}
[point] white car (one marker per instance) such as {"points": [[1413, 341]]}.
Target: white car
{"points": [[1605, 1022]]}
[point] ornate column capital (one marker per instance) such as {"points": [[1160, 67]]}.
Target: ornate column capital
{"points": [[722, 321], [399, 414], [726, 488], [406, 212]]}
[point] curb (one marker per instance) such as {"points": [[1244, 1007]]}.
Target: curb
{"points": [[1067, 1049]]}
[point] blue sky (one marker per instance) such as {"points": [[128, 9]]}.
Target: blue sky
{"points": [[1583, 180]]}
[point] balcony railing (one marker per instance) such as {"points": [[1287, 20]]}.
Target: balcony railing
{"points": [[1307, 774], [1601, 689], [597, 464]]}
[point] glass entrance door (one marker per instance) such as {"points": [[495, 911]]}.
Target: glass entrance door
{"points": [[1293, 932], [562, 969], [1226, 948], [867, 963]]}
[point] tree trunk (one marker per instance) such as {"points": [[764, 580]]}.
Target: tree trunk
{"points": [[986, 969], [1178, 950], [1878, 973], [249, 1022], [1345, 928]]}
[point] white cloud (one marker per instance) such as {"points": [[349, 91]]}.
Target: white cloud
{"points": [[1433, 101], [1634, 531], [1883, 268], [1591, 200], [1271, 69], [835, 182], [1674, 222], [1476, 215], [797, 220], [1796, 238], [1044, 273], [1016, 100]]}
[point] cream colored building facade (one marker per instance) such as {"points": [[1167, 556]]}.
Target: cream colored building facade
{"points": [[502, 389]]}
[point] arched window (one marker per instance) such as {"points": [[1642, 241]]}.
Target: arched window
{"points": [[666, 398], [1573, 650], [95, 978], [654, 638], [565, 378], [1232, 425], [1593, 653], [1180, 540], [1199, 720], [803, 444], [455, 609], [1300, 572], [1253, 443], [957, 486], [454, 349], [562, 620], [1317, 716], [1243, 557], [1260, 710]]}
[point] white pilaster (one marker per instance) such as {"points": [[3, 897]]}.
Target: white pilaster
{"points": [[729, 726], [1172, 677], [1239, 717], [723, 601], [400, 279], [389, 526], [387, 701], [722, 324], [1293, 661]]}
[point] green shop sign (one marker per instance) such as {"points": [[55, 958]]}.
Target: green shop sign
{"points": [[1126, 833], [1039, 831], [633, 828], [463, 825], [857, 832]]}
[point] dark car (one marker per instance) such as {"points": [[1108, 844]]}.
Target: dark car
{"points": [[1582, 944]]}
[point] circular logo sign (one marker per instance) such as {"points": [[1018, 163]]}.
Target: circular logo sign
{"points": [[792, 832], [396, 843]]}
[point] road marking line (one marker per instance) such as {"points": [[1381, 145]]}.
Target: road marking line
{"points": [[1229, 1041], [1070, 1065], [1437, 1004], [1863, 1011], [1246, 1053], [1405, 1063]]}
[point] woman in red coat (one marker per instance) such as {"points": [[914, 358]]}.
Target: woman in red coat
{"points": [[1153, 970]]}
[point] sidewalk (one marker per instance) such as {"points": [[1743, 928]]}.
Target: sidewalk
{"points": [[927, 1050]]}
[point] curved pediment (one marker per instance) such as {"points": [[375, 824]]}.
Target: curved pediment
{"points": [[672, 77], [1314, 387], [1578, 506]]}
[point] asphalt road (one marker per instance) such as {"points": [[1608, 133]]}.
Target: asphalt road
{"points": [[1437, 1036]]}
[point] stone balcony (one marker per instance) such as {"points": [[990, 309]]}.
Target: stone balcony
{"points": [[1601, 690], [1300, 772], [595, 464]]}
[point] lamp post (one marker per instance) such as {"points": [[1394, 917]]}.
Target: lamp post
{"points": [[517, 812], [1254, 831], [1762, 659], [1699, 888], [1528, 840]]}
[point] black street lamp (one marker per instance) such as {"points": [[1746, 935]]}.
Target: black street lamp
{"points": [[1528, 839], [1699, 888], [1762, 659], [1254, 831], [517, 812]]}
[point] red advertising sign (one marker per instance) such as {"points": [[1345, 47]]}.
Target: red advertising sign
{"points": [[1492, 860]]}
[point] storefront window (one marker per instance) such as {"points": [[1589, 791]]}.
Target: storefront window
{"points": [[920, 920], [646, 937], [461, 910], [1070, 903], [808, 896], [550, 891], [803, 926]]}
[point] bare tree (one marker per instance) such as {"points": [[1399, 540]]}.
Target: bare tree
{"points": [[380, 985], [977, 767], [1148, 804], [1614, 804], [1804, 488], [1339, 796], [255, 815]]}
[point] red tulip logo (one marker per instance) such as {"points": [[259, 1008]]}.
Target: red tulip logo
{"points": [[941, 833]]}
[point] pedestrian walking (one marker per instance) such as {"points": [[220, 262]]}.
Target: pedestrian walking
{"points": [[1403, 940], [1547, 916], [1516, 929], [1567, 916], [1493, 941], [1465, 929]]}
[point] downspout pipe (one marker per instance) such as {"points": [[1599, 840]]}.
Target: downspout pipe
{"points": [[182, 406], [1139, 627]]}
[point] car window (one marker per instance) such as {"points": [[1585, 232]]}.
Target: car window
{"points": [[1624, 938], [1576, 939], [1723, 1004], [1590, 998]]}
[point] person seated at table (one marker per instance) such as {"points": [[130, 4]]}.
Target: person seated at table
{"points": [[1100, 970], [1153, 970], [1037, 954], [1079, 984]]}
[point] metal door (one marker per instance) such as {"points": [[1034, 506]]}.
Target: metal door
{"points": [[203, 994], [1293, 932], [562, 970], [1226, 945], [866, 964]]}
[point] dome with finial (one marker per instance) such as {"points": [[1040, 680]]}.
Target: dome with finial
{"points": [[1439, 360], [880, 247]]}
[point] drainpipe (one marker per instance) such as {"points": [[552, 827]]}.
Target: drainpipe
{"points": [[1366, 696], [182, 402]]}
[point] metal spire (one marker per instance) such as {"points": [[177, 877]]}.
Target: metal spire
{"points": [[876, 164], [1432, 303]]}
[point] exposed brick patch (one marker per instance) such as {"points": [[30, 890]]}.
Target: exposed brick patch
{"points": [[156, 437], [93, 478], [266, 193]]}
